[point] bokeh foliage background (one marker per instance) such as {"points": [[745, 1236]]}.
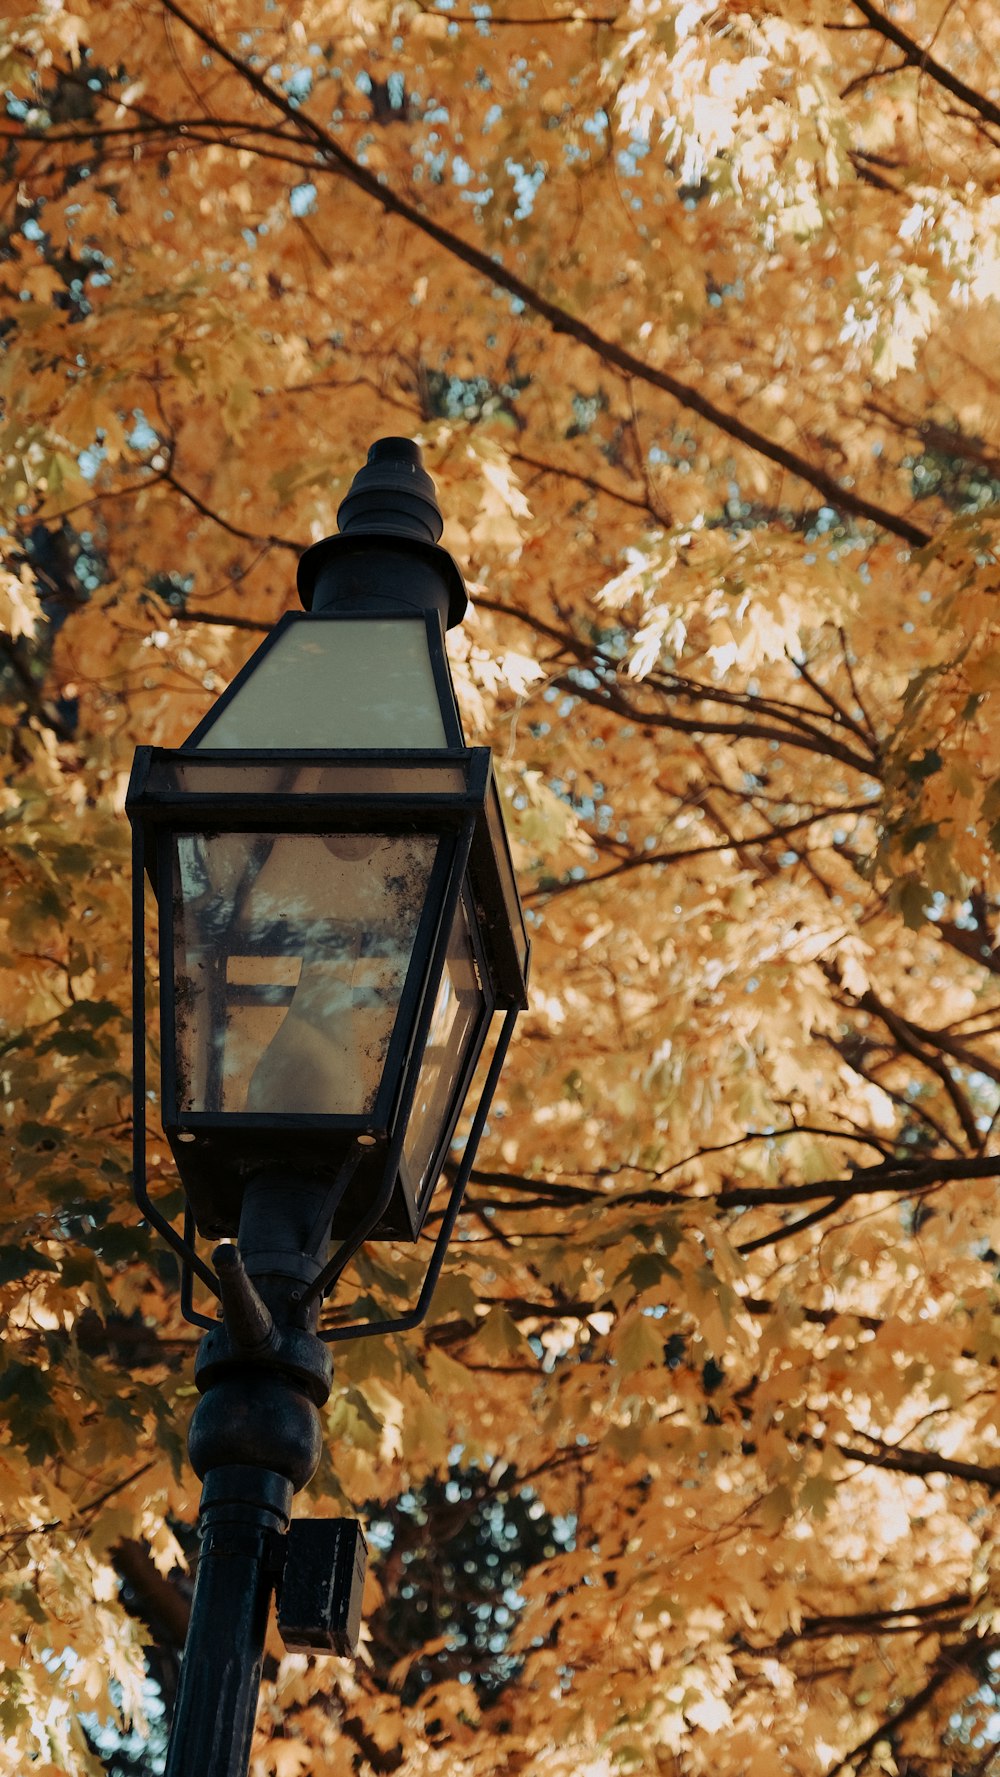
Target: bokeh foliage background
{"points": [[693, 308]]}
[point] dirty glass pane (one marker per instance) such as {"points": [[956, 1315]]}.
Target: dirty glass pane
{"points": [[456, 1018], [291, 952]]}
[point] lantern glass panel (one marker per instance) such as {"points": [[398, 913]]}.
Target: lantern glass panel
{"points": [[291, 951], [335, 682], [458, 1015]]}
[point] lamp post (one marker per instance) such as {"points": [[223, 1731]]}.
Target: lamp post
{"points": [[341, 947]]}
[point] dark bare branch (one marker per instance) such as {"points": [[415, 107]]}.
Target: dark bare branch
{"points": [[920, 1462], [922, 60], [559, 318]]}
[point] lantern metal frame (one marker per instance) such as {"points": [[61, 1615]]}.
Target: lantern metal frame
{"points": [[369, 1192]]}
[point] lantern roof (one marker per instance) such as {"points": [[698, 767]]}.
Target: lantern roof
{"points": [[391, 502]]}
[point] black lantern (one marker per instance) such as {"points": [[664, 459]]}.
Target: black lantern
{"points": [[340, 935]]}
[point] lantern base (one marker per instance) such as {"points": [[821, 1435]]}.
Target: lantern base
{"points": [[216, 1167]]}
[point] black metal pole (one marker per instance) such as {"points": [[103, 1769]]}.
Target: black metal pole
{"points": [[244, 1514], [254, 1441]]}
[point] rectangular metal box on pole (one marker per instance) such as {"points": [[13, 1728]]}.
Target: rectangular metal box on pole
{"points": [[319, 1603]]}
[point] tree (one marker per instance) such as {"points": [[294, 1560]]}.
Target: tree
{"points": [[694, 311]]}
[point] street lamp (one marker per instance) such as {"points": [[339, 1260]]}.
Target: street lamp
{"points": [[341, 946]]}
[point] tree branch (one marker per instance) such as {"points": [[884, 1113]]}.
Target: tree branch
{"points": [[943, 1671], [920, 1462], [926, 63], [877, 1622], [609, 696], [935, 1064], [899, 1177], [641, 861], [159, 1604], [223, 523], [558, 317], [40, 707]]}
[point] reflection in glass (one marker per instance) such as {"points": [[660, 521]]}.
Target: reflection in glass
{"points": [[453, 1026], [291, 951]]}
